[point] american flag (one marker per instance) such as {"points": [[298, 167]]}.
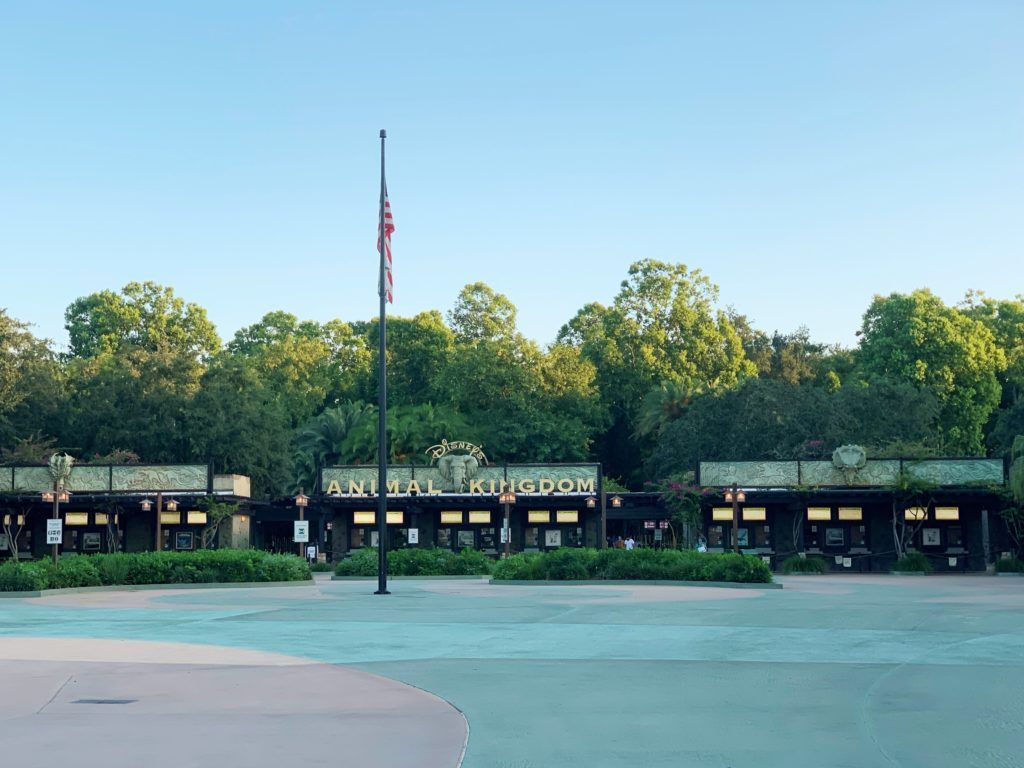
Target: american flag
{"points": [[389, 227]]}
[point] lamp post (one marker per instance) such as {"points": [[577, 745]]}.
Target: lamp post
{"points": [[736, 497], [57, 495], [507, 499], [591, 502], [301, 501], [146, 505]]}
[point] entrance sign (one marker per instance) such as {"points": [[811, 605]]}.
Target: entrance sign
{"points": [[301, 532], [414, 535], [54, 531], [464, 474], [657, 534]]}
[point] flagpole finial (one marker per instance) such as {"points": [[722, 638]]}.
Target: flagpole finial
{"points": [[383, 133]]}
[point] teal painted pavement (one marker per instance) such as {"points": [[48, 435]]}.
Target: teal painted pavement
{"points": [[831, 671]]}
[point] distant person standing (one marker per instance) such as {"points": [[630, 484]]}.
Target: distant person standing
{"points": [[630, 543]]}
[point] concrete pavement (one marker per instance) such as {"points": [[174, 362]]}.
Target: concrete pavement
{"points": [[831, 671]]}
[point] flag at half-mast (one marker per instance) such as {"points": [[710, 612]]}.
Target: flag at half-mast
{"points": [[388, 284]]}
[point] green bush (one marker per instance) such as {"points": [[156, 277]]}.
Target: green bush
{"points": [[416, 561], [24, 577], [797, 564], [362, 563], [202, 566], [638, 564], [283, 568], [913, 562], [77, 571], [321, 567], [1009, 565], [113, 568], [521, 567]]}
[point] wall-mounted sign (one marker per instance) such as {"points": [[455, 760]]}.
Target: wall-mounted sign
{"points": [[445, 447], [463, 474], [301, 532], [54, 531]]}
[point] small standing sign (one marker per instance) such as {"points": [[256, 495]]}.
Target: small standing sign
{"points": [[414, 535], [301, 532], [54, 531]]}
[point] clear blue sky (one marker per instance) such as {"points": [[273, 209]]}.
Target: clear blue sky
{"points": [[805, 155]]}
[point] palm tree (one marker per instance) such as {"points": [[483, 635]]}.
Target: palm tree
{"points": [[321, 440], [663, 404]]}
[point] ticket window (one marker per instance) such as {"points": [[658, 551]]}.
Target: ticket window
{"points": [[835, 530], [553, 529], [941, 529], [720, 530], [458, 530], [755, 532], [364, 533]]}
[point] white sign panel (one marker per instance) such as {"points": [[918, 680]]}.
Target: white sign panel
{"points": [[54, 531], [414, 535], [301, 532]]}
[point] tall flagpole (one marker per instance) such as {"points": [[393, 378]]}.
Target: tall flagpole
{"points": [[382, 397]]}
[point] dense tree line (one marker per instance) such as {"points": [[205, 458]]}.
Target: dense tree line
{"points": [[647, 385]]}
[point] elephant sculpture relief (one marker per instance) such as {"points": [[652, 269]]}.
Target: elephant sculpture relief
{"points": [[457, 470]]}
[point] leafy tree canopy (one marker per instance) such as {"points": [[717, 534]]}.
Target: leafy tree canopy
{"points": [[143, 315], [917, 338], [306, 363], [481, 314]]}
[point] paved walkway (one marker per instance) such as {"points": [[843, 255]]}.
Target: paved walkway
{"points": [[113, 703], [831, 671]]}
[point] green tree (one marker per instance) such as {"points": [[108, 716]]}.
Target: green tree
{"points": [[320, 442], [411, 430], [418, 347], [481, 314], [662, 405], [237, 422], [530, 404], [133, 399], [919, 339], [142, 316], [307, 364], [760, 419], [663, 326], [887, 416], [31, 382], [1005, 319], [1008, 424]]}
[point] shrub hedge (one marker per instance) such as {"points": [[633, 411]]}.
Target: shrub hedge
{"points": [[203, 566], [1009, 565], [416, 561], [797, 564], [913, 562], [642, 564]]}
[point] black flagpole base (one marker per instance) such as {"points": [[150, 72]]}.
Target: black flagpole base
{"points": [[382, 592]]}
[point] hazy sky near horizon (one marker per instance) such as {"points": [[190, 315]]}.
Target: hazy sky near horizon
{"points": [[804, 155]]}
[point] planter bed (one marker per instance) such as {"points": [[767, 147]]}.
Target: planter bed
{"points": [[639, 582], [141, 587]]}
